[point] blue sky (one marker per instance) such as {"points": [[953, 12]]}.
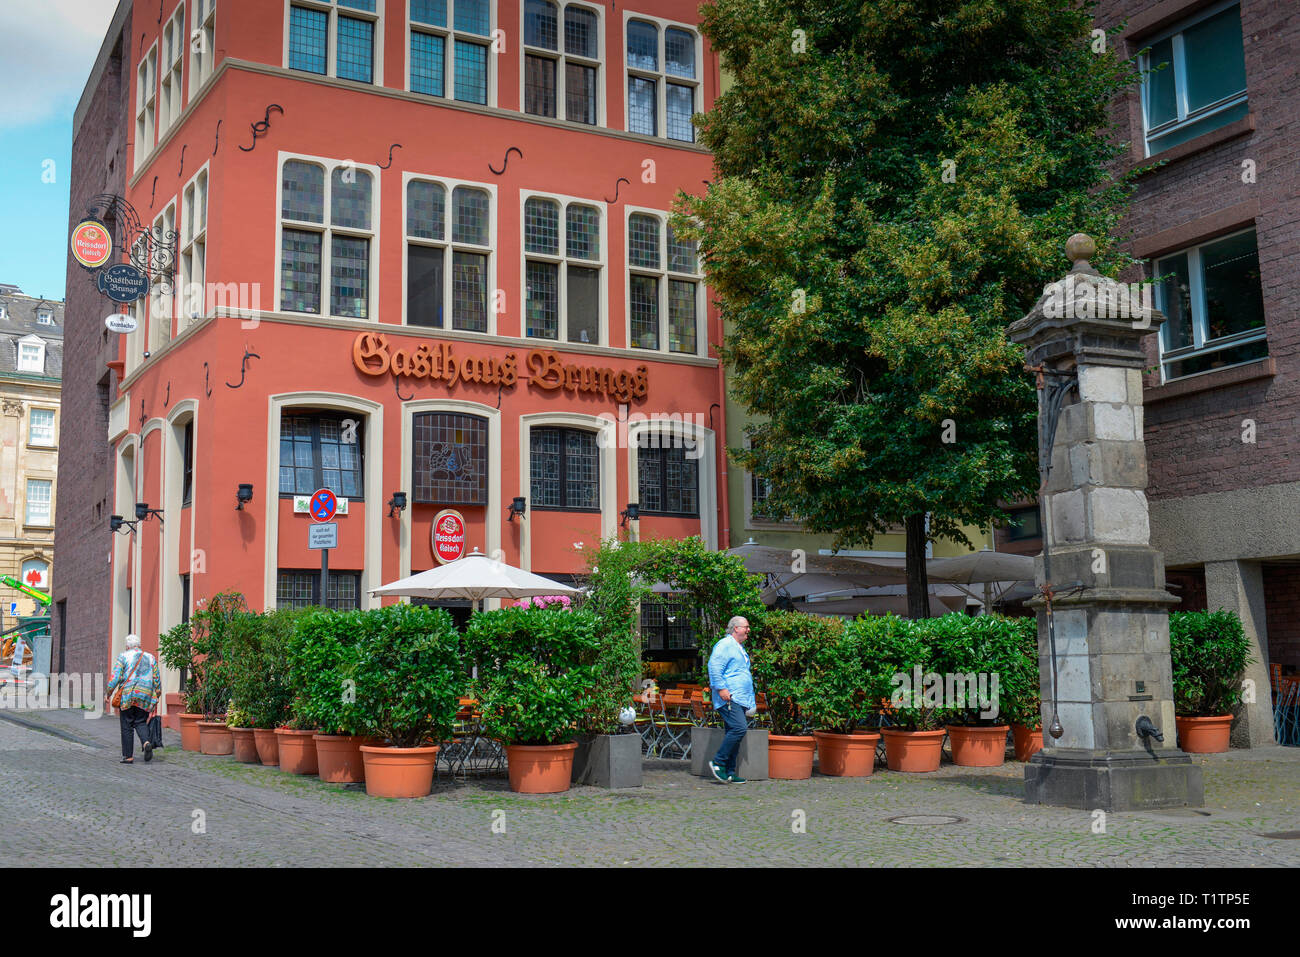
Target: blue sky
{"points": [[46, 52]]}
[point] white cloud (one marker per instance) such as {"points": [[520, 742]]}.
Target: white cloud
{"points": [[47, 49]]}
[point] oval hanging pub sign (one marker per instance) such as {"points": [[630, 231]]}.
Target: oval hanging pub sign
{"points": [[448, 537], [92, 244]]}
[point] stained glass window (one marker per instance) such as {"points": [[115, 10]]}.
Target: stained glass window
{"points": [[449, 459]]}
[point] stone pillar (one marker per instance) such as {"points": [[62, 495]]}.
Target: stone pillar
{"points": [[1239, 587], [1112, 628]]}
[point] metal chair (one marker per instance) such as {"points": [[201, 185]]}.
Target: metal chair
{"points": [[672, 732]]}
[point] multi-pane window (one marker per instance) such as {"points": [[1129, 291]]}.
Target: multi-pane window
{"points": [[193, 243], [561, 60], [187, 465], [146, 105], [40, 427], [668, 475], [449, 460], [666, 624], [449, 42], [562, 246], [565, 469], [203, 36], [321, 451], [38, 501], [314, 246], [663, 281], [301, 589], [174, 43], [334, 38], [1213, 303], [662, 80], [448, 236], [1196, 80], [31, 356], [162, 290], [45, 316]]}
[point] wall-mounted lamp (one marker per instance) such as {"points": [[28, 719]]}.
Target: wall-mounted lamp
{"points": [[116, 522], [243, 495], [631, 514], [396, 503], [143, 511], [517, 507]]}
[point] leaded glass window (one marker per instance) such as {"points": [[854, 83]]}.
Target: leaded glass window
{"points": [[562, 300], [555, 74], [676, 50], [339, 247], [565, 469], [431, 259], [449, 459], [668, 477], [320, 451], [663, 280]]}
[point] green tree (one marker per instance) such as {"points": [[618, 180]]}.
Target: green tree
{"points": [[895, 185]]}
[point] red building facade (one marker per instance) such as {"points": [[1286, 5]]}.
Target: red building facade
{"points": [[421, 248]]}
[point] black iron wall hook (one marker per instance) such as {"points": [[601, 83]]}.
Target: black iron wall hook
{"points": [[207, 389], [182, 169], [506, 162], [142, 415], [395, 146], [397, 387], [243, 367], [621, 179], [261, 126], [217, 139], [167, 399]]}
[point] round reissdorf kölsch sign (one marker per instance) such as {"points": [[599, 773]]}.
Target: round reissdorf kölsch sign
{"points": [[448, 536], [92, 244]]}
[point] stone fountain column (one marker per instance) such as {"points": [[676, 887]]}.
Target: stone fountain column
{"points": [[1111, 609]]}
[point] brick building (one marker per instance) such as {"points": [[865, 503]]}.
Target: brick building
{"points": [[413, 251]]}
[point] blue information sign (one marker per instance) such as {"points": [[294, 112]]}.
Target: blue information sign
{"points": [[123, 282]]}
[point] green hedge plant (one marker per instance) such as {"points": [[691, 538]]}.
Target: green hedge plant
{"points": [[1210, 652], [409, 671], [988, 661], [538, 672], [258, 655], [323, 653], [781, 649], [894, 648], [833, 697]]}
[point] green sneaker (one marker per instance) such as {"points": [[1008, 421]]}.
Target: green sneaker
{"points": [[718, 773], [734, 778]]}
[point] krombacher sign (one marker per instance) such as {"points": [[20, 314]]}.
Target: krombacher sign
{"points": [[546, 369]]}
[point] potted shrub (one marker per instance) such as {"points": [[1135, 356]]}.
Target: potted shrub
{"points": [[259, 664], [176, 651], [322, 652], [1209, 652], [409, 673], [1021, 700], [241, 731], [977, 654], [782, 646], [835, 701], [537, 676], [900, 657], [199, 646]]}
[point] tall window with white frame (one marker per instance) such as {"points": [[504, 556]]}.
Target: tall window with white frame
{"points": [[562, 272], [1194, 78], [163, 287], [662, 80], [203, 38], [663, 280], [146, 105], [313, 247], [192, 294], [1213, 300], [334, 38], [430, 221], [31, 354], [40, 427], [38, 501], [172, 98], [449, 44], [556, 73]]}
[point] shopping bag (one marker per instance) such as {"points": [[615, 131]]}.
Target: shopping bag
{"points": [[155, 731]]}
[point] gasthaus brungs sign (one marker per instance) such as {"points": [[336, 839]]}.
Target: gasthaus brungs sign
{"points": [[448, 535], [372, 356]]}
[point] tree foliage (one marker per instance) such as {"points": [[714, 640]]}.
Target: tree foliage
{"points": [[889, 198]]}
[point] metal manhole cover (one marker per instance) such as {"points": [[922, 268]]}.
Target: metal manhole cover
{"points": [[1284, 835], [928, 820]]}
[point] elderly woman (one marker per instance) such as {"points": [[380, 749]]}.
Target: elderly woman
{"points": [[136, 673]]}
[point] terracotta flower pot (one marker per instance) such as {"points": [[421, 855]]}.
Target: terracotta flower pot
{"points": [[540, 768], [978, 747], [215, 738], [189, 731], [1204, 735], [398, 772], [845, 755], [245, 745], [297, 751], [1028, 741], [913, 751], [790, 757], [268, 746], [339, 758], [175, 705]]}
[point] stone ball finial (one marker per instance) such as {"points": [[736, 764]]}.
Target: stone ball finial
{"points": [[1080, 247]]}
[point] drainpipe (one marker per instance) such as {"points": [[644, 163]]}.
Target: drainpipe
{"points": [[724, 527]]}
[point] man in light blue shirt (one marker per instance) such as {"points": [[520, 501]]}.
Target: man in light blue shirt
{"points": [[733, 694]]}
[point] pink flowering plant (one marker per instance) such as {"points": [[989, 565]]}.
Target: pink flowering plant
{"points": [[558, 602]]}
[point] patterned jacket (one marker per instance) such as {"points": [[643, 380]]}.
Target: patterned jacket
{"points": [[143, 688]]}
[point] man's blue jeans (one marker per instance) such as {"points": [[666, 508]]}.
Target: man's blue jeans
{"points": [[733, 718]]}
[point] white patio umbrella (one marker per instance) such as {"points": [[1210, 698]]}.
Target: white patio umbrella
{"points": [[984, 567], [476, 577]]}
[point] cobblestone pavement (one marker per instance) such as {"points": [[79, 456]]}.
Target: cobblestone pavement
{"points": [[79, 804]]}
